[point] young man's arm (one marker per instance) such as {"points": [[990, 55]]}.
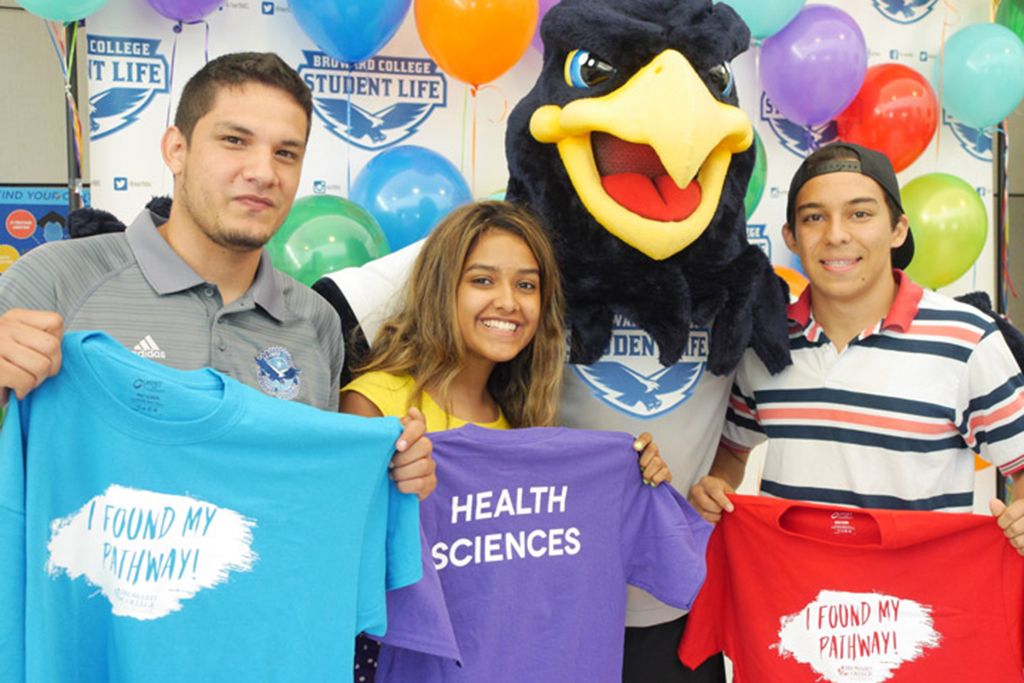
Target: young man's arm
{"points": [[32, 318], [709, 496], [1011, 517], [29, 349]]}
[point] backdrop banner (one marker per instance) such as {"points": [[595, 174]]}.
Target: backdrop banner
{"points": [[138, 64]]}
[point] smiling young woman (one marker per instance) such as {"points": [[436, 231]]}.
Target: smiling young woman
{"points": [[480, 338]]}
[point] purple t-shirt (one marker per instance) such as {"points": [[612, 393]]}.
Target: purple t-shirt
{"points": [[531, 538]]}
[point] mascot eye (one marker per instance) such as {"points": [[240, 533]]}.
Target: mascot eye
{"points": [[721, 78], [585, 70]]}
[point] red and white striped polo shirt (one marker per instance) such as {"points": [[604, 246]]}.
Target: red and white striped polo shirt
{"points": [[894, 419]]}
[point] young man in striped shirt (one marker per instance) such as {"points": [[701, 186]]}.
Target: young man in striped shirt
{"points": [[893, 388]]}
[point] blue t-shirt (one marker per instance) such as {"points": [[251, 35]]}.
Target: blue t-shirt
{"points": [[163, 525], [532, 536]]}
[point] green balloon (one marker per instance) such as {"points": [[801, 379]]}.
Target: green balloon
{"points": [[322, 234], [1011, 15], [950, 224], [755, 190]]}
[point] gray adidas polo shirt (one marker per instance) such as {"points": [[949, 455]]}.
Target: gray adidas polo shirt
{"points": [[279, 337]]}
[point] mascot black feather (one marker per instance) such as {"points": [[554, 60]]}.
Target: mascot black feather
{"points": [[632, 149]]}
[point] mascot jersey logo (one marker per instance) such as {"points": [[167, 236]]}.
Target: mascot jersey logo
{"points": [[276, 373], [125, 74], [975, 141], [800, 140], [630, 378], [905, 11], [377, 103]]}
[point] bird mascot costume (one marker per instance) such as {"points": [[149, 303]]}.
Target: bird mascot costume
{"points": [[633, 152]]}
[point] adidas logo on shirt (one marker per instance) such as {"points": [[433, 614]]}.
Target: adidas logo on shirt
{"points": [[147, 348]]}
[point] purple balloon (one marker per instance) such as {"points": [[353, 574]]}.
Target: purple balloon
{"points": [[544, 6], [814, 67], [185, 10]]}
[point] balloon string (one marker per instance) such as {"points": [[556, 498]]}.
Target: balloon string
{"points": [[76, 121], [757, 61], [504, 102], [170, 74], [946, 23], [1009, 290], [348, 145], [57, 41], [66, 63], [472, 180], [206, 42], [71, 52], [1005, 189], [465, 109], [178, 28]]}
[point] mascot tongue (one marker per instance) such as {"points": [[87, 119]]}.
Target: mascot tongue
{"points": [[659, 198], [634, 177]]}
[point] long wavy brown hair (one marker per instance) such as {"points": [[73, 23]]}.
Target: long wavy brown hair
{"points": [[423, 339]]}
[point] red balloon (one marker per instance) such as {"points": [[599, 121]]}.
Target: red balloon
{"points": [[895, 112]]}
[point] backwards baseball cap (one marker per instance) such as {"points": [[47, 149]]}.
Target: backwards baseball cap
{"points": [[846, 157]]}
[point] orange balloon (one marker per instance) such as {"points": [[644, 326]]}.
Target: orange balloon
{"points": [[797, 282], [476, 40]]}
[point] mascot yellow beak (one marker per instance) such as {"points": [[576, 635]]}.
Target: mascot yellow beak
{"points": [[649, 160]]}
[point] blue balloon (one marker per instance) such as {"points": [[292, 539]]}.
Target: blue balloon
{"points": [[408, 189], [982, 74], [350, 30], [765, 17]]}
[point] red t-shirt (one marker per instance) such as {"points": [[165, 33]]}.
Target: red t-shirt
{"points": [[804, 592]]}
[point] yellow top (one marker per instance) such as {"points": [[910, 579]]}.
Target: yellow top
{"points": [[390, 393]]}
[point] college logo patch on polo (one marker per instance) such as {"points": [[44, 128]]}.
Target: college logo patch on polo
{"points": [[276, 373]]}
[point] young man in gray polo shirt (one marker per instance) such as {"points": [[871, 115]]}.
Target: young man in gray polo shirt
{"points": [[198, 290]]}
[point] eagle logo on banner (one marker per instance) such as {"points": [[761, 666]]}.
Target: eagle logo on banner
{"points": [[975, 141], [125, 74], [371, 128], [904, 11], [800, 140], [377, 103]]}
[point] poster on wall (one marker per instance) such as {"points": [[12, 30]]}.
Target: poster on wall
{"points": [[32, 215]]}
